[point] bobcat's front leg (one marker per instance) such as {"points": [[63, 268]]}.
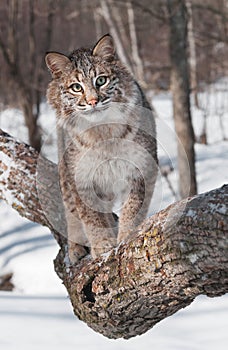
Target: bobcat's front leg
{"points": [[75, 234], [135, 208]]}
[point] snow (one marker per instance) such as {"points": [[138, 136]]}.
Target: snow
{"points": [[193, 258], [38, 313], [45, 322]]}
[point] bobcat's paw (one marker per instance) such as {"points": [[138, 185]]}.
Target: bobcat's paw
{"points": [[76, 252], [101, 249]]}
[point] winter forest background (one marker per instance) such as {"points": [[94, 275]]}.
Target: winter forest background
{"points": [[141, 29], [37, 312]]}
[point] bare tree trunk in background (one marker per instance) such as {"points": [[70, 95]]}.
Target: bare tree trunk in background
{"points": [[116, 13], [28, 86], [224, 19], [31, 119], [181, 97], [12, 43], [137, 61], [112, 15], [192, 53], [32, 104], [97, 21], [10, 53], [27, 100], [106, 13]]}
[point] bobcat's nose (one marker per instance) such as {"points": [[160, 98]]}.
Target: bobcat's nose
{"points": [[92, 102]]}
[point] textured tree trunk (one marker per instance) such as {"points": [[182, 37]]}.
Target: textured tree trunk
{"points": [[173, 256], [6, 282], [137, 61], [31, 121], [107, 14], [181, 97], [192, 53], [97, 22], [28, 86], [29, 184], [9, 51]]}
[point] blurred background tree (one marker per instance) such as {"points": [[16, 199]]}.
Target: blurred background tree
{"points": [[141, 30]]}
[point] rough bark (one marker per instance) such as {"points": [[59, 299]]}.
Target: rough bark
{"points": [[181, 97], [28, 190], [174, 256]]}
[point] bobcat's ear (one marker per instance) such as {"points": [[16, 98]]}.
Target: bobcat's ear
{"points": [[56, 62], [105, 48]]}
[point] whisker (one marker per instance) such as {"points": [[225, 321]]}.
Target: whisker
{"points": [[107, 100]]}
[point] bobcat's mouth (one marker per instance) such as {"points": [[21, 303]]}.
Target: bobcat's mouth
{"points": [[100, 107], [97, 114]]}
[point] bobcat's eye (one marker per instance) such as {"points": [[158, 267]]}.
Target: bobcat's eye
{"points": [[101, 80], [76, 87]]}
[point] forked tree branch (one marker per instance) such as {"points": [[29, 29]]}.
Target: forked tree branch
{"points": [[177, 254]]}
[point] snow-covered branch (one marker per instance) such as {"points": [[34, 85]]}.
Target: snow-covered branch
{"points": [[177, 254], [28, 190]]}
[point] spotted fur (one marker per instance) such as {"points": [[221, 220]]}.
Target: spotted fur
{"points": [[111, 151]]}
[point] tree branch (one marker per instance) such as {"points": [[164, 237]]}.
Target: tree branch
{"points": [[174, 256], [28, 190], [212, 9]]}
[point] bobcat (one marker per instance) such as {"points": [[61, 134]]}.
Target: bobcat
{"points": [[111, 154]]}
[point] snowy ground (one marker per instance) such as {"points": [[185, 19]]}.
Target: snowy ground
{"points": [[38, 314], [45, 322]]}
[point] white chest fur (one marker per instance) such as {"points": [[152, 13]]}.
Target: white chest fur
{"points": [[110, 166]]}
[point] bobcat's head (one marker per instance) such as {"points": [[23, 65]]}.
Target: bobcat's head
{"points": [[88, 81]]}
